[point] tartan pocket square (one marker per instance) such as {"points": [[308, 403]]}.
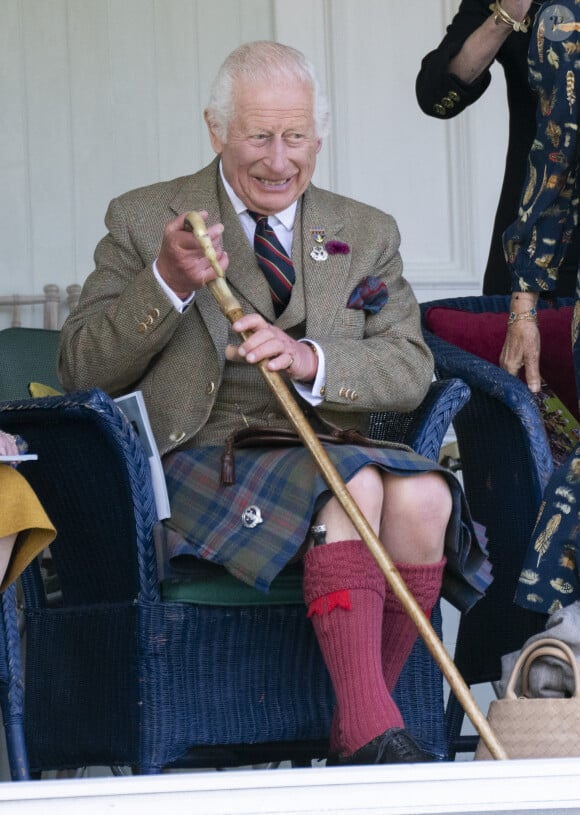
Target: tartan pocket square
{"points": [[370, 295]]}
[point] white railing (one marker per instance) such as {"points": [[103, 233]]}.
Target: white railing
{"points": [[50, 300]]}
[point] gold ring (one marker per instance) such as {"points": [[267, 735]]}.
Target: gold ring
{"points": [[291, 363]]}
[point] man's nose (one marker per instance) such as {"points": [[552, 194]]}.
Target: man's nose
{"points": [[277, 153]]}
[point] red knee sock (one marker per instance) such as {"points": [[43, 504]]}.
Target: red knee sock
{"points": [[344, 590], [399, 631]]}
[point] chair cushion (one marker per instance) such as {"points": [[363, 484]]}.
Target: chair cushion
{"points": [[483, 335], [213, 585]]}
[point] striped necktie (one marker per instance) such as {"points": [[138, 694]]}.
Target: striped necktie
{"points": [[272, 259]]}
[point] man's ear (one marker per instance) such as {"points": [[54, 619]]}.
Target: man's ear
{"points": [[216, 143]]}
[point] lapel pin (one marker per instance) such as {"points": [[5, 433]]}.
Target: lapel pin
{"points": [[318, 252]]}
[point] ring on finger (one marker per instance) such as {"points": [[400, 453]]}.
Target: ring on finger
{"points": [[291, 363]]}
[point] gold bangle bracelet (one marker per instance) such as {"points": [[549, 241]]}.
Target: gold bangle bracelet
{"points": [[515, 317], [501, 15]]}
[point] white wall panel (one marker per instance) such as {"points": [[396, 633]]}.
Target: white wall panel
{"points": [[99, 96], [426, 172], [15, 242], [51, 160]]}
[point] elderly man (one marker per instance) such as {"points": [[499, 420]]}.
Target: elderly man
{"points": [[341, 323]]}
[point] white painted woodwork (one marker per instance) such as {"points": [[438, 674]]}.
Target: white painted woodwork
{"points": [[20, 307], [100, 96], [549, 787]]}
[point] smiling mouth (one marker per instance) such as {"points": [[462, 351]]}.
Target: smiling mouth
{"points": [[269, 183]]}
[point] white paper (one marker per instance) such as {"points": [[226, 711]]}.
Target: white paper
{"points": [[20, 457], [133, 406]]}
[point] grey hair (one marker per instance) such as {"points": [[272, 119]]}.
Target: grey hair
{"points": [[260, 61]]}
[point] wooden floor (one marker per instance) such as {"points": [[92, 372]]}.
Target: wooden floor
{"points": [[549, 787]]}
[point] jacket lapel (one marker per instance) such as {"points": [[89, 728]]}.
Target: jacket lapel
{"points": [[325, 281], [199, 192]]}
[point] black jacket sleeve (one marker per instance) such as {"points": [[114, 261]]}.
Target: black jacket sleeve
{"points": [[439, 93]]}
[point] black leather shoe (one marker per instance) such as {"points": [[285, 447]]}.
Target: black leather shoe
{"points": [[394, 746]]}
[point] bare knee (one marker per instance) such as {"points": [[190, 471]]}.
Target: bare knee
{"points": [[366, 488], [415, 517], [428, 496]]}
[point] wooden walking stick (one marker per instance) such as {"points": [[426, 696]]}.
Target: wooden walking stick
{"points": [[231, 308]]}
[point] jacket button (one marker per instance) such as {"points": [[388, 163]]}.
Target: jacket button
{"points": [[177, 436], [454, 96], [354, 396], [323, 390], [210, 388], [154, 313], [342, 392], [141, 328], [439, 110]]}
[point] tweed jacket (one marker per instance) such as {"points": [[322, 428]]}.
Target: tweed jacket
{"points": [[125, 333]]}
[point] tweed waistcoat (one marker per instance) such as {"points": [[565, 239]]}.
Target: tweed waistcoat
{"points": [[244, 397]]}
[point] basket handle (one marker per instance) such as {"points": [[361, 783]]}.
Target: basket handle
{"points": [[547, 646]]}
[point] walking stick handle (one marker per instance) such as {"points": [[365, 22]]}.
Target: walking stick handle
{"points": [[232, 310], [228, 303]]}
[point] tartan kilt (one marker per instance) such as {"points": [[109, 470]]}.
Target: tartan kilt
{"points": [[287, 488]]}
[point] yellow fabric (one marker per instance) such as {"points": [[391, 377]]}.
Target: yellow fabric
{"points": [[21, 512], [37, 389]]}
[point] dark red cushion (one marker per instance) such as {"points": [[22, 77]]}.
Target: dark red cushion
{"points": [[484, 334]]}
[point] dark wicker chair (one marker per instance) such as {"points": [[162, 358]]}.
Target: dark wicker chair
{"points": [[12, 686], [506, 463], [118, 675]]}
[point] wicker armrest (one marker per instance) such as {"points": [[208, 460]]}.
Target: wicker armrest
{"points": [[499, 386], [424, 428], [93, 474]]}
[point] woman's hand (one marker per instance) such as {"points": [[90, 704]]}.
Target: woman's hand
{"points": [[266, 341], [521, 347]]}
